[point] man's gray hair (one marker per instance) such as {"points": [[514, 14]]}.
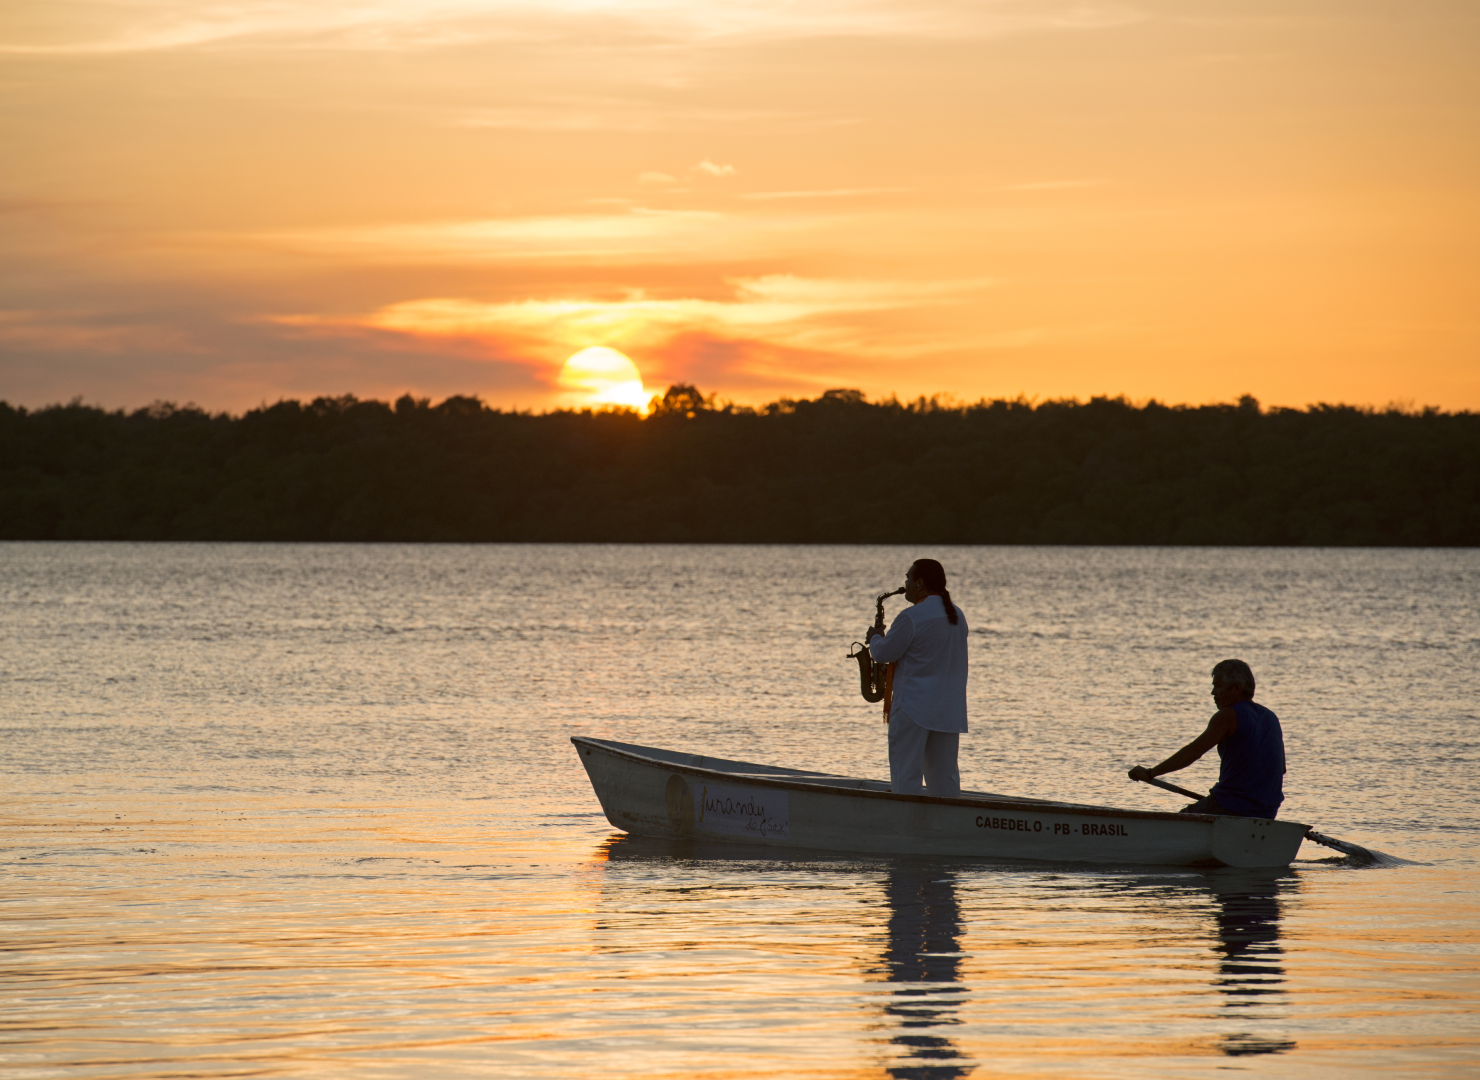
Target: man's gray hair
{"points": [[1236, 672]]}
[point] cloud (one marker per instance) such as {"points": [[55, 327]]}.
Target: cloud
{"points": [[746, 366], [640, 233], [825, 193], [777, 312], [99, 333], [773, 334], [612, 113], [704, 168], [163, 25], [1057, 185], [201, 355]]}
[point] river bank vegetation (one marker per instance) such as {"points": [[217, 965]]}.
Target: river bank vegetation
{"points": [[835, 469]]}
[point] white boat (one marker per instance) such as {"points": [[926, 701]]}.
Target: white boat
{"points": [[664, 793]]}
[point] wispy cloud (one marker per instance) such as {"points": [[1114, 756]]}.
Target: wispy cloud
{"points": [[823, 193], [104, 333], [783, 311], [638, 115], [706, 169], [194, 353], [157, 25], [1057, 185], [647, 233]]}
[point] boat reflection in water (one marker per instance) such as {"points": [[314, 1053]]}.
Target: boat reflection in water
{"points": [[930, 1008], [922, 958], [1250, 968]]}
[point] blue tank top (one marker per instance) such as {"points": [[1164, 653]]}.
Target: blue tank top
{"points": [[1251, 781]]}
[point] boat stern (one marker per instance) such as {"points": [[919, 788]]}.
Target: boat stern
{"points": [[1256, 842]]}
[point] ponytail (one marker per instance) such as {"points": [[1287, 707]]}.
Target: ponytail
{"points": [[933, 576]]}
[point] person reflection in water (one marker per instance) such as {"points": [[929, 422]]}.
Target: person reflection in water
{"points": [[927, 711], [923, 958], [1250, 744], [1250, 970]]}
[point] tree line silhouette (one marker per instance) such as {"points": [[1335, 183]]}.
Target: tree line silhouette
{"points": [[834, 469]]}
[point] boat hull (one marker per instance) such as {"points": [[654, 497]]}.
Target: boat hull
{"points": [[652, 792]]}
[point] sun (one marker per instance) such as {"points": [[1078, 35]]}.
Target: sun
{"points": [[602, 376]]}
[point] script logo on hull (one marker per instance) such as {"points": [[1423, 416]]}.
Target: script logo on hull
{"points": [[736, 811]]}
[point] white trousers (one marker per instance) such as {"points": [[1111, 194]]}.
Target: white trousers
{"points": [[916, 752]]}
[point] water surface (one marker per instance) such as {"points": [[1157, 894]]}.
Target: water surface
{"points": [[296, 810]]}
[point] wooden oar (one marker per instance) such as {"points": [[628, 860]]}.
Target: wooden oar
{"points": [[1173, 787], [1345, 847]]}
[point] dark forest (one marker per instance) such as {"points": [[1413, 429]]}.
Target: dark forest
{"points": [[837, 469]]}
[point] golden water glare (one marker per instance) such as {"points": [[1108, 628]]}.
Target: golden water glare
{"points": [[312, 811]]}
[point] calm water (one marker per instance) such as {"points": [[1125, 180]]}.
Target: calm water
{"points": [[312, 811]]}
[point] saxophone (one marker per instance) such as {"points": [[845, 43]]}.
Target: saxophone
{"points": [[872, 676]]}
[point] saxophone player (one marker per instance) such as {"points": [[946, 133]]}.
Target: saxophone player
{"points": [[927, 715]]}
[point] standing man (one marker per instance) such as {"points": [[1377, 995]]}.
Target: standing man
{"points": [[927, 714], [1250, 742]]}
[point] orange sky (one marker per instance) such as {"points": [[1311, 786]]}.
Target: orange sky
{"points": [[229, 203]]}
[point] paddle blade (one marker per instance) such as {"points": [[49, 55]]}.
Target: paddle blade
{"points": [[1357, 851]]}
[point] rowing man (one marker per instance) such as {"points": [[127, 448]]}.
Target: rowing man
{"points": [[1250, 742]]}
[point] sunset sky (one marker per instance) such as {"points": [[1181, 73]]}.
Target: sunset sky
{"points": [[233, 202]]}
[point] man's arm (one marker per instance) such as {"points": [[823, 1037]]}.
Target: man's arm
{"points": [[887, 648], [1223, 724]]}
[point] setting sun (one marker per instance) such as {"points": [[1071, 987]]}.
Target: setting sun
{"points": [[600, 376]]}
